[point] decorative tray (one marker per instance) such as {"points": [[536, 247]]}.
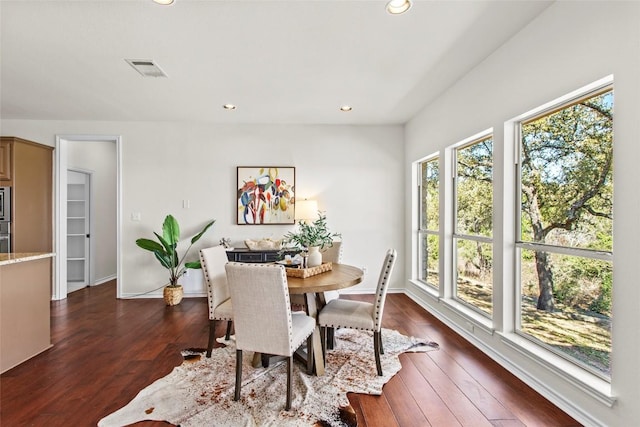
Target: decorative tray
{"points": [[290, 263], [308, 272]]}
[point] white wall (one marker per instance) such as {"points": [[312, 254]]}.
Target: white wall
{"points": [[99, 157], [568, 46], [355, 173]]}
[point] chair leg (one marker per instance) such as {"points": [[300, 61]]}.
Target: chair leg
{"points": [[380, 341], [377, 339], [289, 380], [310, 354], [330, 338], [227, 336], [238, 374], [264, 359], [212, 337], [323, 342]]}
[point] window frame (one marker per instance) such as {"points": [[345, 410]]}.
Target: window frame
{"points": [[423, 231], [455, 236], [598, 88]]}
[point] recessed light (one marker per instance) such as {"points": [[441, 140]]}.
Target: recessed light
{"points": [[164, 2], [229, 107], [396, 7], [346, 108]]}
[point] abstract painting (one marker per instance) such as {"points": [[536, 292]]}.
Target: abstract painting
{"points": [[266, 195]]}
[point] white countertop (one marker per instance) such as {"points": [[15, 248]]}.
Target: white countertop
{"points": [[16, 257]]}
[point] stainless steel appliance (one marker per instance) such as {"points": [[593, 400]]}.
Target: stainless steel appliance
{"points": [[5, 204], [5, 219], [5, 237]]}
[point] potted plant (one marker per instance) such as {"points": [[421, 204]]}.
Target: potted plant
{"points": [[313, 236], [165, 250]]}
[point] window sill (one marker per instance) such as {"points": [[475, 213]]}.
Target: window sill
{"points": [[472, 317], [585, 381], [429, 290]]}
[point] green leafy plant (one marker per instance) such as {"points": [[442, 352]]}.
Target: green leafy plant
{"points": [[166, 252], [312, 234]]}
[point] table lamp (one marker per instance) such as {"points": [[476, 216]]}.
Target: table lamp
{"points": [[306, 210]]}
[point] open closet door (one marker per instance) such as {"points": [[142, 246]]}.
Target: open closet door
{"points": [[78, 229]]}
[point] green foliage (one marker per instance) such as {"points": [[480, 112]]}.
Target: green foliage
{"points": [[430, 253], [433, 250], [585, 284], [567, 193], [602, 303], [430, 208], [474, 188], [165, 250], [567, 174], [312, 234]]}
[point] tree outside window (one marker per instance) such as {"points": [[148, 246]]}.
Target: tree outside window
{"points": [[566, 222], [474, 224], [429, 222]]}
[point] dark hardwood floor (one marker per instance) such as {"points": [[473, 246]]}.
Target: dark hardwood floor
{"points": [[106, 350]]}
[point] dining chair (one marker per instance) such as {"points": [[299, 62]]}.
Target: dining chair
{"points": [[341, 313], [213, 260], [263, 319], [332, 254]]}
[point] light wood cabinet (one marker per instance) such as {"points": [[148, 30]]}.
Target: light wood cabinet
{"points": [[5, 162], [31, 180], [25, 298]]}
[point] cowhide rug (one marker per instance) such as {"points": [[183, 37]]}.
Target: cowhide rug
{"points": [[200, 391]]}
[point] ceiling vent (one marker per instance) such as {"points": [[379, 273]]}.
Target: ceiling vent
{"points": [[146, 67]]}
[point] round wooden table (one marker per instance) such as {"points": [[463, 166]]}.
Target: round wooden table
{"points": [[339, 277]]}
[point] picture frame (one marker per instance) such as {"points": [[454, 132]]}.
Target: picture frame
{"points": [[265, 195]]}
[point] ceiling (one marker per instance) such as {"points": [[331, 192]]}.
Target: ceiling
{"points": [[281, 61]]}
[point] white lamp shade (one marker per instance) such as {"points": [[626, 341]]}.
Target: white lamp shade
{"points": [[306, 209]]}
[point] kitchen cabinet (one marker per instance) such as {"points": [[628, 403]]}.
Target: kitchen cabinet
{"points": [[5, 162], [25, 298], [30, 167]]}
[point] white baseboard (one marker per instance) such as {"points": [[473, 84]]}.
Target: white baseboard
{"points": [[104, 280]]}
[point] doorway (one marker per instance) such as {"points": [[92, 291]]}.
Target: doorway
{"points": [[93, 263], [79, 227]]}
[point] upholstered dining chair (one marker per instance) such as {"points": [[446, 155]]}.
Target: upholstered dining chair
{"points": [[213, 261], [263, 319], [332, 254], [341, 313]]}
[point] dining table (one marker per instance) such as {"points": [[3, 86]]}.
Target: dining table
{"points": [[340, 276]]}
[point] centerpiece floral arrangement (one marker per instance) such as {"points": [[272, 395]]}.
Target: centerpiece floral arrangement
{"points": [[312, 234]]}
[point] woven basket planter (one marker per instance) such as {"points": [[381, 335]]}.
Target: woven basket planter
{"points": [[173, 294]]}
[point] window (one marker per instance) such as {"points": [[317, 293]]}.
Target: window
{"points": [[428, 239], [473, 224], [565, 238]]}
